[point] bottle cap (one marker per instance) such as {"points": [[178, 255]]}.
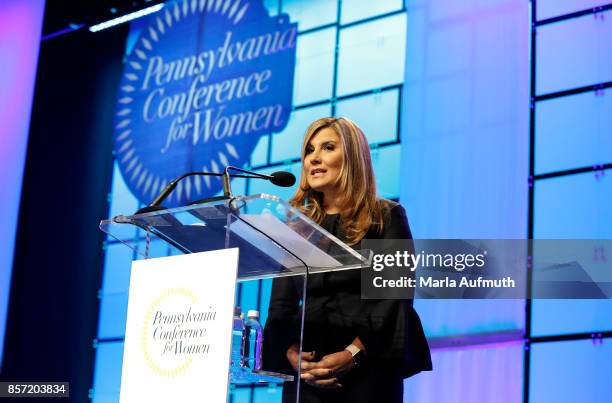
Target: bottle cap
{"points": [[252, 313]]}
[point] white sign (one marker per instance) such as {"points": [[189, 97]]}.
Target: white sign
{"points": [[179, 327]]}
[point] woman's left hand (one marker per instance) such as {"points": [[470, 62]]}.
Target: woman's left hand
{"points": [[327, 372]]}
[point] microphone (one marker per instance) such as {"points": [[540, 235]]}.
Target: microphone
{"points": [[283, 179], [278, 178]]}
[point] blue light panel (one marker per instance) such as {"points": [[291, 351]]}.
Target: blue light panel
{"points": [[355, 10], [577, 316], [107, 374], [576, 206], [571, 371], [584, 48], [314, 67], [376, 114], [555, 8], [380, 45], [573, 132], [311, 14], [476, 375]]}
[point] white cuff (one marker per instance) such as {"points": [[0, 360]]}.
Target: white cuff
{"points": [[353, 349]]}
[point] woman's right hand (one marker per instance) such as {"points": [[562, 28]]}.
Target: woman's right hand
{"points": [[293, 355]]}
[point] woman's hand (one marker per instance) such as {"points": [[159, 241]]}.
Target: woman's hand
{"points": [[327, 372], [293, 355]]}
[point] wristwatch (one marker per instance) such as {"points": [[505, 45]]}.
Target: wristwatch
{"points": [[359, 356]]}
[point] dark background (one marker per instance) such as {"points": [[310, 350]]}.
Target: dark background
{"points": [[53, 312]]}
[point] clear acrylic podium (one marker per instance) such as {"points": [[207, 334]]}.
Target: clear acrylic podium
{"points": [[274, 240]]}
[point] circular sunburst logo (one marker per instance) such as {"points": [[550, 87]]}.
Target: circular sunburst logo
{"points": [[205, 80], [161, 336]]}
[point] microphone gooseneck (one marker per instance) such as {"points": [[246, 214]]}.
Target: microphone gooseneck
{"points": [[280, 178]]}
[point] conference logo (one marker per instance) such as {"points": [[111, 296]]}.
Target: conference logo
{"points": [[205, 80], [175, 332]]}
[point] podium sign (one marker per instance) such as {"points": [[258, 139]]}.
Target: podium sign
{"points": [[179, 327]]}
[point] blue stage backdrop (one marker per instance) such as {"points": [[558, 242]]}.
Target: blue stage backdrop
{"points": [[202, 84], [442, 90]]}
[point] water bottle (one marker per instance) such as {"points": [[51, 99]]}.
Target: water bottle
{"points": [[238, 358], [254, 340]]}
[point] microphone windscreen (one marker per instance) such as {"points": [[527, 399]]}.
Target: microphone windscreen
{"points": [[282, 178]]}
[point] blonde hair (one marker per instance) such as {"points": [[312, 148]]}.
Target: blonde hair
{"points": [[359, 206]]}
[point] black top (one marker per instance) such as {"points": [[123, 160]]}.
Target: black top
{"points": [[335, 312]]}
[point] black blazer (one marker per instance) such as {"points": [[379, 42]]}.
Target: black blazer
{"points": [[390, 330]]}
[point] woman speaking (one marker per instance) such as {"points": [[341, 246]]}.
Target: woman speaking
{"points": [[354, 349]]}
